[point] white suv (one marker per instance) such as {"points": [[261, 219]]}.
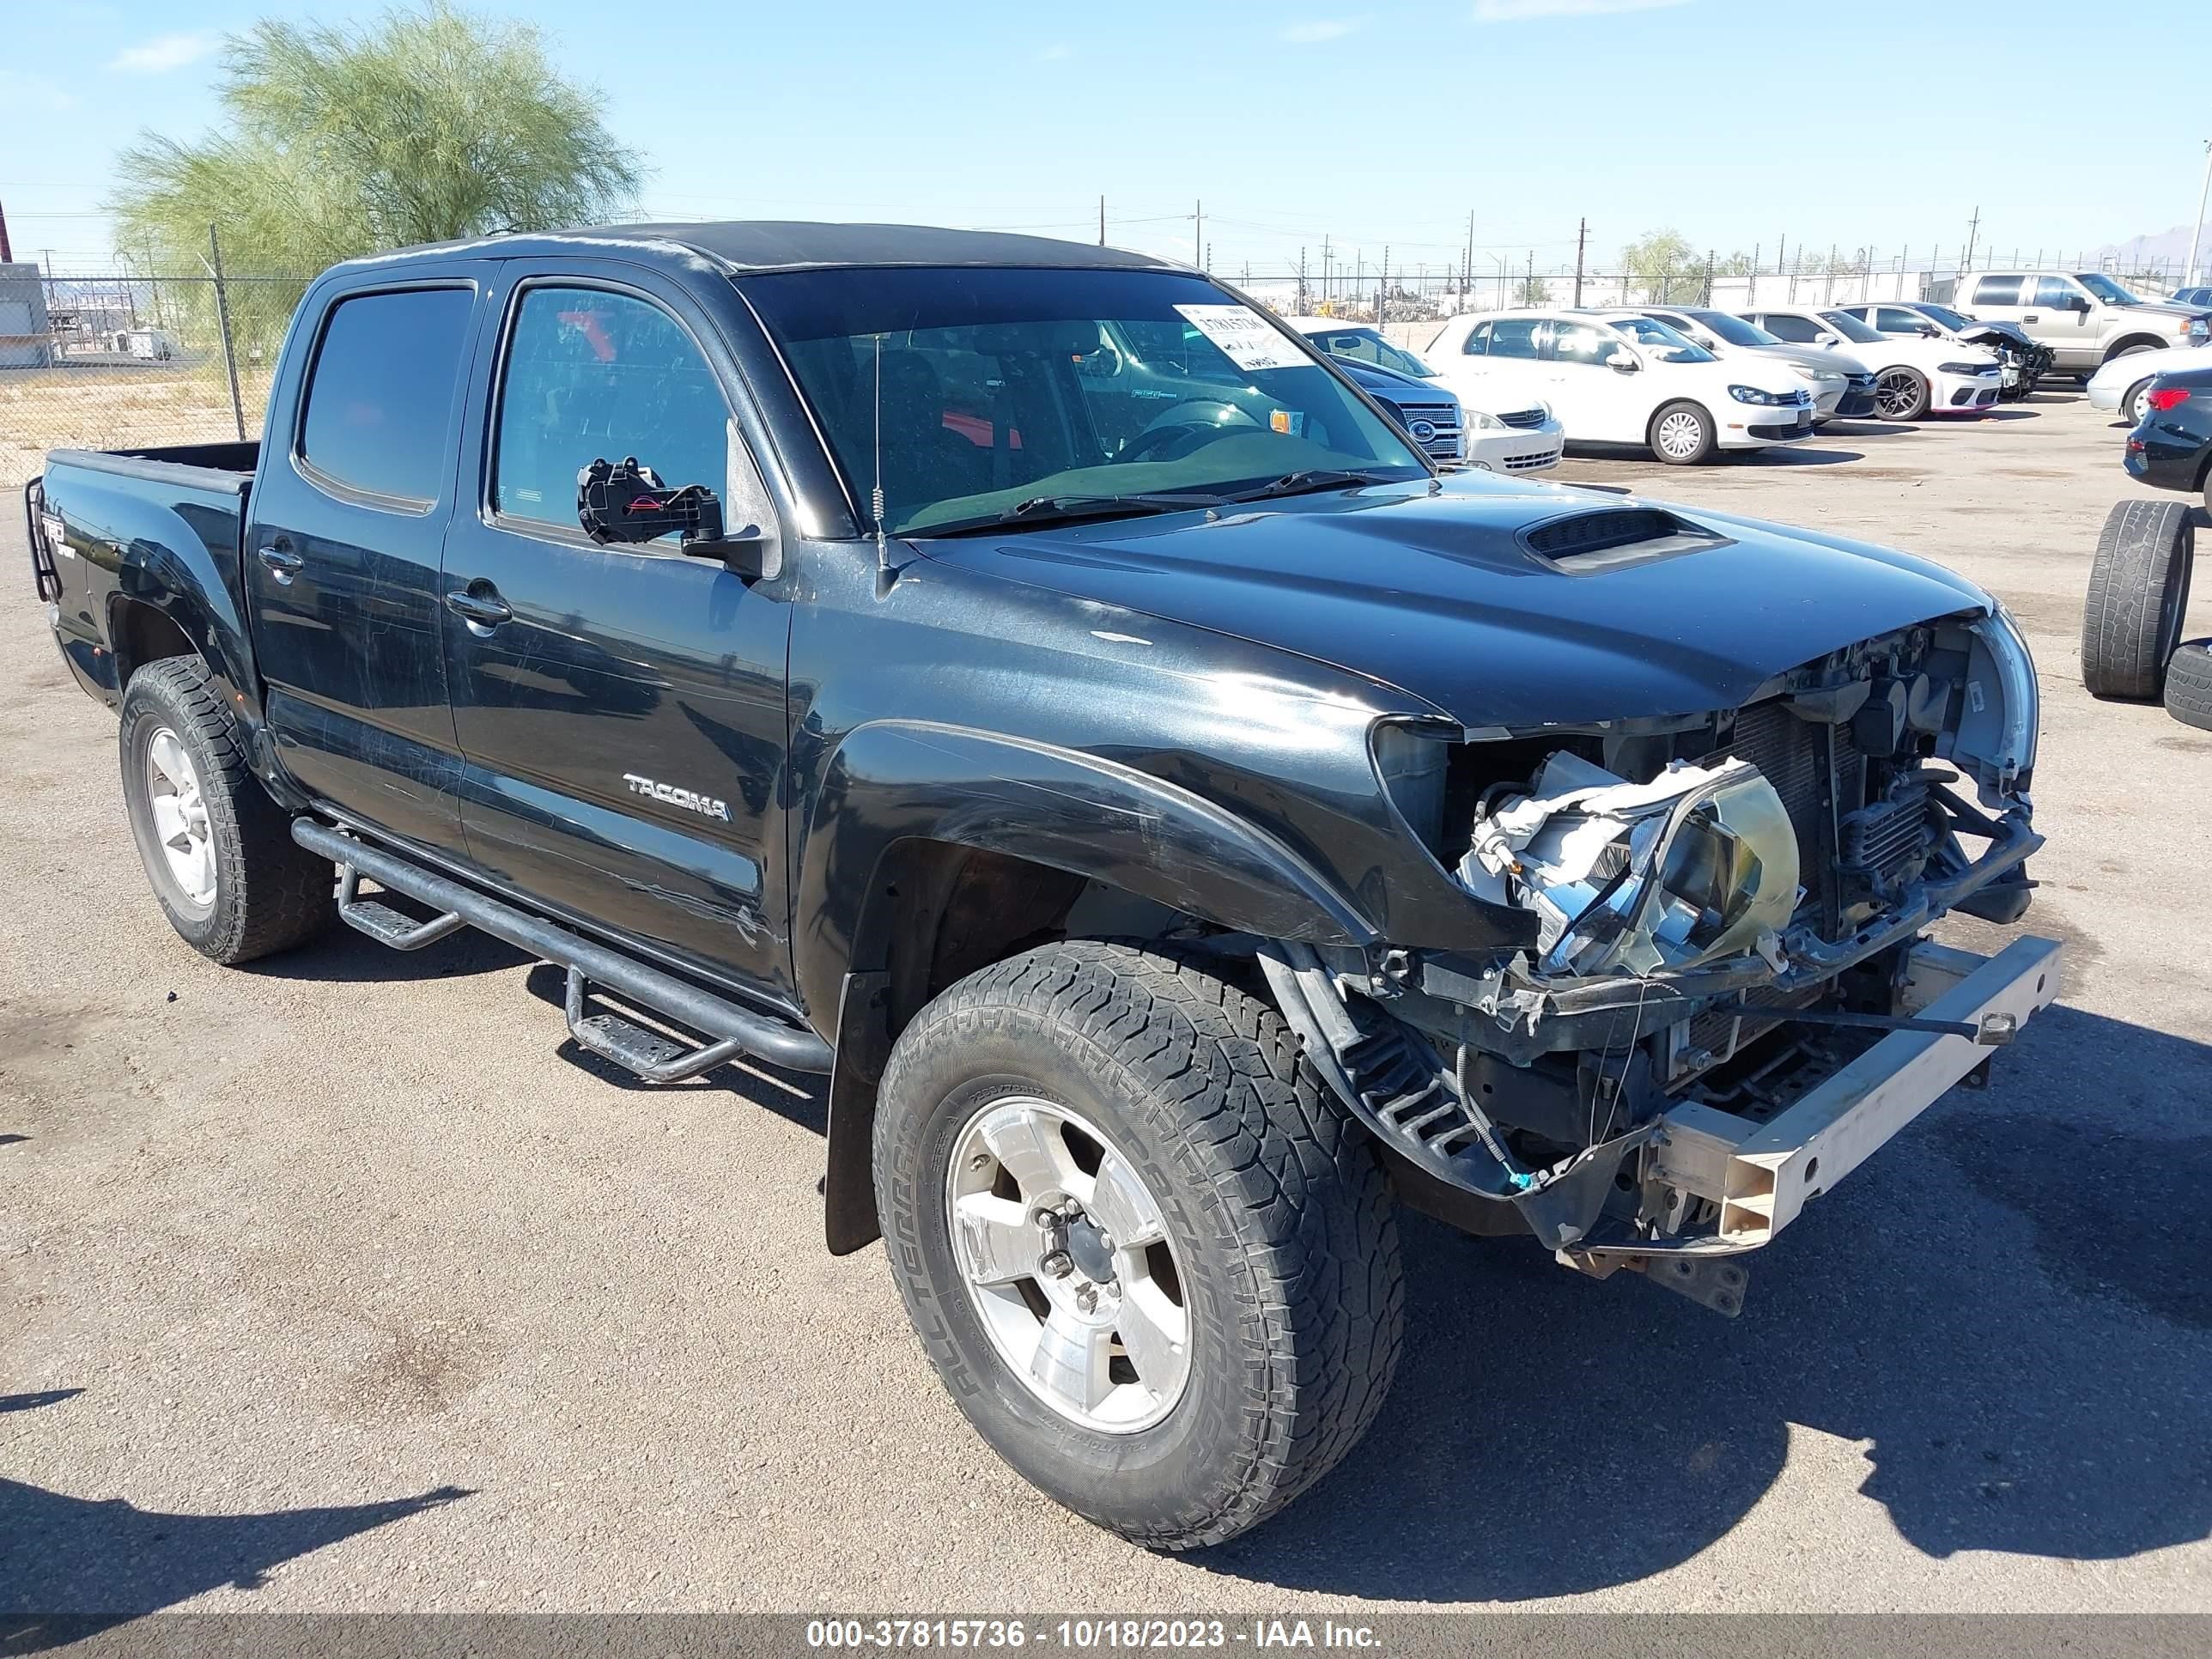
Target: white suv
{"points": [[1913, 375], [1622, 381]]}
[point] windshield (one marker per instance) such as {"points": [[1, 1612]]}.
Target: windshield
{"points": [[971, 396], [1851, 327], [1365, 345], [1942, 315], [1669, 347], [2105, 289], [1732, 331]]}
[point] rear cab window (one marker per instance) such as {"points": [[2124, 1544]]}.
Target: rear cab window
{"points": [[376, 421], [1997, 291]]}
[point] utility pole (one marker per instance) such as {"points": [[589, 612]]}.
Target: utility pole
{"points": [[2188, 278], [1324, 273], [1973, 228], [1198, 233], [1712, 268], [8, 253], [1301, 281], [1582, 237], [1466, 270], [1102, 222], [1382, 288], [1531, 289]]}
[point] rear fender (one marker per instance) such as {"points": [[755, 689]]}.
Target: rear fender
{"points": [[176, 556]]}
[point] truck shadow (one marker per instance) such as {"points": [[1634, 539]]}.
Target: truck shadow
{"points": [[77, 1565], [2008, 1309]]}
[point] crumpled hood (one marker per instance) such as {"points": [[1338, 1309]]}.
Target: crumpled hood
{"points": [[1438, 596]]}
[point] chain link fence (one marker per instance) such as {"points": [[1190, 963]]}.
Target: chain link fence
{"points": [[124, 361]]}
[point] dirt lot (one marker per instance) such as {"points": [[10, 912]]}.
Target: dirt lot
{"points": [[353, 1288]]}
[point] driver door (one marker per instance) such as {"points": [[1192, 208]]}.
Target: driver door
{"points": [[619, 709]]}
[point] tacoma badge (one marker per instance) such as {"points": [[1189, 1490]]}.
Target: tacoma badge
{"points": [[705, 806]]}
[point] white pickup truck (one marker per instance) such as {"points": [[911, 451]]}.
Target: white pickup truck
{"points": [[2085, 317]]}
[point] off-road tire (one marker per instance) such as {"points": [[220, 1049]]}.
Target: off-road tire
{"points": [[271, 893], [2138, 594], [2189, 685], [1273, 1199], [1696, 454]]}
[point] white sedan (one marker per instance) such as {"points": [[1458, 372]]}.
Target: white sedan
{"points": [[1913, 375], [1491, 439], [1621, 380], [2119, 385]]}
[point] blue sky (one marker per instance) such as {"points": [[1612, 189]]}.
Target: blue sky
{"points": [[1736, 122]]}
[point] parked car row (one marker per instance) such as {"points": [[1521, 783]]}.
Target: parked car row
{"points": [[1692, 382]]}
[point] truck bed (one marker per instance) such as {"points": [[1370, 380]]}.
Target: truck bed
{"points": [[101, 520]]}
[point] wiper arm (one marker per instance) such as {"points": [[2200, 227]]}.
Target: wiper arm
{"points": [[1297, 483], [1059, 509]]}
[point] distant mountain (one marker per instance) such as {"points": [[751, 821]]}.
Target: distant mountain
{"points": [[2164, 248]]}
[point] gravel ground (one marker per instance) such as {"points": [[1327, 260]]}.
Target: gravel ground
{"points": [[342, 1283]]}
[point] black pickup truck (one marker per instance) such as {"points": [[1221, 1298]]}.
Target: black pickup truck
{"points": [[1180, 825]]}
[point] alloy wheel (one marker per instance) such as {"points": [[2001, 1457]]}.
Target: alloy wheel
{"points": [[1065, 1258], [180, 817], [1896, 394]]}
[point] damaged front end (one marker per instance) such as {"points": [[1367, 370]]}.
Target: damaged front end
{"points": [[1726, 953]]}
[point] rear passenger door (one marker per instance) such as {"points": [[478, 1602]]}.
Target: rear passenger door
{"points": [[348, 512], [620, 710], [1497, 368]]}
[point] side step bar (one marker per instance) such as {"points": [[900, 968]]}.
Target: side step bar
{"points": [[732, 1029]]}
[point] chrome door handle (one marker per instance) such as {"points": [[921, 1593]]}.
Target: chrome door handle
{"points": [[282, 563], [482, 609], [2031, 318]]}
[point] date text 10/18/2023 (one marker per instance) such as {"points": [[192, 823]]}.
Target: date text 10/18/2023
{"points": [[1086, 1635]]}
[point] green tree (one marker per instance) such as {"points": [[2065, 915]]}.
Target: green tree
{"points": [[1531, 291], [429, 124], [1657, 260]]}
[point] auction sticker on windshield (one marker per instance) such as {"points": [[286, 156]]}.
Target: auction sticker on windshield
{"points": [[1246, 338]]}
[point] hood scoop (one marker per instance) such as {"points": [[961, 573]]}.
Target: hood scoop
{"points": [[1615, 539]]}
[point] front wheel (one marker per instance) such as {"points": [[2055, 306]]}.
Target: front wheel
{"points": [[2134, 406], [1901, 394], [1682, 434], [1155, 1265]]}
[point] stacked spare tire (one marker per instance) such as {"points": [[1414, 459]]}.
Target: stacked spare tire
{"points": [[2131, 643]]}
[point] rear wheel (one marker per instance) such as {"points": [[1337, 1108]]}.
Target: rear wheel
{"points": [[1154, 1264], [217, 850], [2189, 685], [2138, 594], [1900, 394], [2133, 406], [1681, 434]]}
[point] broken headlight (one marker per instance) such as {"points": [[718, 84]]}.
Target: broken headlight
{"points": [[1698, 863]]}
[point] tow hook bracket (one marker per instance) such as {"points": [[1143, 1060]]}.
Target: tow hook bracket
{"points": [[1712, 1282]]}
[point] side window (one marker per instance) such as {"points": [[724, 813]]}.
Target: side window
{"points": [[1895, 320], [1360, 347], [591, 374], [380, 395], [1788, 325], [2051, 291], [1578, 343], [1997, 291], [1512, 337]]}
